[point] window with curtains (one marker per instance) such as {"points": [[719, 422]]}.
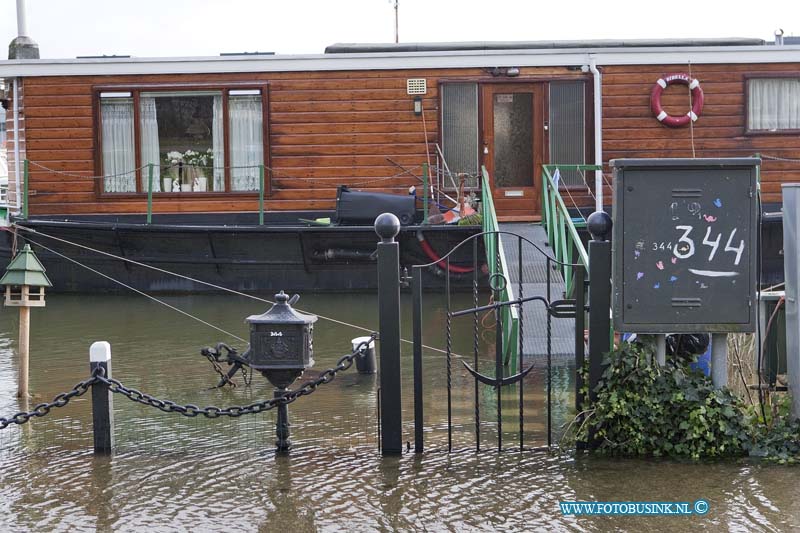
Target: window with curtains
{"points": [[773, 104], [189, 141]]}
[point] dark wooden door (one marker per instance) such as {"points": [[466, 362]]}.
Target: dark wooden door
{"points": [[513, 146]]}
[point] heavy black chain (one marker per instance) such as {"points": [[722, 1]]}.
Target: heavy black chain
{"points": [[214, 356], [44, 408], [191, 410]]}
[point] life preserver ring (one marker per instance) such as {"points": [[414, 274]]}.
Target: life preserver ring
{"points": [[697, 100]]}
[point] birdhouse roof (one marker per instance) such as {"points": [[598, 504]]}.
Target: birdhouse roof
{"points": [[25, 269]]}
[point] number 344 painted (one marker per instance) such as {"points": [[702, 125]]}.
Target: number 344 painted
{"points": [[685, 247]]}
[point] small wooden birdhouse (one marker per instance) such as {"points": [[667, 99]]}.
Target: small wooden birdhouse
{"points": [[25, 280]]}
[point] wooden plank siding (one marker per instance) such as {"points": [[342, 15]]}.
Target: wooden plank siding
{"points": [[331, 128], [630, 130], [326, 129]]}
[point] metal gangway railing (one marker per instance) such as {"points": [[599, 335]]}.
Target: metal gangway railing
{"points": [[561, 226], [496, 262]]}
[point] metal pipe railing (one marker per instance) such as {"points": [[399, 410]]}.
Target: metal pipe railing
{"points": [[260, 195], [494, 249], [150, 193], [561, 229]]}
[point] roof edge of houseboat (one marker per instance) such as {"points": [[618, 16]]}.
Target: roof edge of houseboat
{"points": [[439, 55], [349, 48]]}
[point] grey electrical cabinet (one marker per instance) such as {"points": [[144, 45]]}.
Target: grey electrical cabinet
{"points": [[684, 245]]}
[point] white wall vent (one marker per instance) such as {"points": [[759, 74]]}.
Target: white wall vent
{"points": [[416, 86]]}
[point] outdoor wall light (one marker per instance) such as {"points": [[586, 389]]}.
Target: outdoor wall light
{"points": [[418, 105], [512, 72]]}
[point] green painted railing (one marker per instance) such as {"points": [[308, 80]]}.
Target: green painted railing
{"points": [[494, 250], [260, 195], [561, 228], [150, 172]]}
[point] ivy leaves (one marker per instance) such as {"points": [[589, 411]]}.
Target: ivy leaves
{"points": [[644, 409]]}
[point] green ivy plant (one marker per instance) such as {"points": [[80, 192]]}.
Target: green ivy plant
{"points": [[643, 409], [778, 437]]}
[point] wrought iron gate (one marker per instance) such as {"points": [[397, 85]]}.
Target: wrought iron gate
{"points": [[507, 299]]}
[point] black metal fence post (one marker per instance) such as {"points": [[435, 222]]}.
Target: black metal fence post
{"points": [[387, 226], [102, 401], [599, 224], [580, 322], [416, 290]]}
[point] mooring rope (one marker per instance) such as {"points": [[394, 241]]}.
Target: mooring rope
{"points": [[574, 203], [588, 188], [276, 174], [776, 158], [82, 176], [199, 281]]}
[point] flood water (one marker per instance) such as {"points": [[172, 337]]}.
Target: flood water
{"points": [[171, 473]]}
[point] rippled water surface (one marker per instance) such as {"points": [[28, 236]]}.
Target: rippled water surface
{"points": [[171, 473]]}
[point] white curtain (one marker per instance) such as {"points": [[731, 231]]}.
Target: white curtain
{"points": [[773, 104], [119, 161], [247, 141], [218, 145], [151, 152]]}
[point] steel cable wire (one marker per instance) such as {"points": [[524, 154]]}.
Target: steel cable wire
{"points": [[201, 282]]}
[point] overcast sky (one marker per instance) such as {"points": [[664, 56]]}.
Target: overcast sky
{"points": [[143, 28]]}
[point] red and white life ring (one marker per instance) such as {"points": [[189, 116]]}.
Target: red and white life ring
{"points": [[697, 100]]}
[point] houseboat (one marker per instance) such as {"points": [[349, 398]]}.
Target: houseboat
{"points": [[212, 166]]}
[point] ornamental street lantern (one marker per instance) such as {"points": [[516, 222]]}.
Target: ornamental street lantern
{"points": [[281, 345], [24, 280], [281, 348]]}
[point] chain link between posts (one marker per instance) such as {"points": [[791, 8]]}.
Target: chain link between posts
{"points": [[189, 410], [43, 409]]}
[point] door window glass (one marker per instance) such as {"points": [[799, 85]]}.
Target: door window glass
{"points": [[513, 140]]}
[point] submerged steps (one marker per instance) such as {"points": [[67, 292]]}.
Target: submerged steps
{"points": [[534, 278]]}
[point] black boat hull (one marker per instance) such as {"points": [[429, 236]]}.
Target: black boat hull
{"points": [[230, 251]]}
